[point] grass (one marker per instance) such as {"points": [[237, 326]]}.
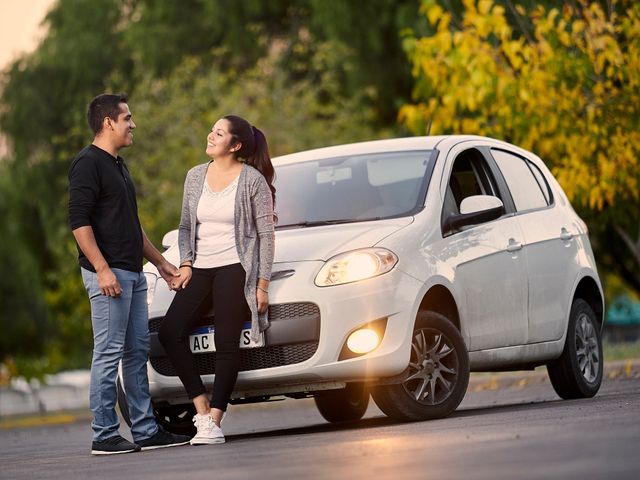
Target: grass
{"points": [[621, 351]]}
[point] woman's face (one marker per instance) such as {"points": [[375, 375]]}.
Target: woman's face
{"points": [[219, 141]]}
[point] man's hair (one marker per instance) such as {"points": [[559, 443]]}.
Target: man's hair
{"points": [[104, 105]]}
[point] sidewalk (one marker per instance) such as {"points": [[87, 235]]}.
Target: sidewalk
{"points": [[64, 399]]}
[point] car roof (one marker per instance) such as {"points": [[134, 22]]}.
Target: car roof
{"points": [[360, 148]]}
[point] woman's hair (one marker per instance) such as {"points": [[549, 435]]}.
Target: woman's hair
{"points": [[254, 149]]}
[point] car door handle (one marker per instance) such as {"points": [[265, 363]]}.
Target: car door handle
{"points": [[514, 245], [565, 234]]}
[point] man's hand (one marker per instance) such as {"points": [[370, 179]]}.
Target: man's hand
{"points": [[169, 272], [108, 283]]}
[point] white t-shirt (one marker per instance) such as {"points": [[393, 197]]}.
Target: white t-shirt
{"points": [[215, 228]]}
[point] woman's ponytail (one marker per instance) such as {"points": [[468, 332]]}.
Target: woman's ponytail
{"points": [[254, 149], [261, 160]]}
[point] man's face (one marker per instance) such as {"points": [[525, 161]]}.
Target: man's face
{"points": [[121, 130]]}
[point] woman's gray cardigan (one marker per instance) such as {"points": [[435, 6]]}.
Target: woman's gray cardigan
{"points": [[254, 231]]}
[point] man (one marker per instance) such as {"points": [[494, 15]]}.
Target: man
{"points": [[103, 216]]}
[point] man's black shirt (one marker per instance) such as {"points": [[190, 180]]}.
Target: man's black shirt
{"points": [[102, 195]]}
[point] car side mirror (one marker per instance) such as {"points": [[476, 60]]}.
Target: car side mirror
{"points": [[170, 238], [474, 210]]}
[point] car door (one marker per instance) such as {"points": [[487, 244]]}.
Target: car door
{"points": [[487, 259], [550, 243]]}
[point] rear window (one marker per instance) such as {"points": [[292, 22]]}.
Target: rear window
{"points": [[525, 189]]}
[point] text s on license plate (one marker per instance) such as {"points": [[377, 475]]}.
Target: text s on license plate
{"points": [[202, 340]]}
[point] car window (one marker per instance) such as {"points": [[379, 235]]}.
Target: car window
{"points": [[542, 182], [523, 185], [352, 188], [470, 175]]}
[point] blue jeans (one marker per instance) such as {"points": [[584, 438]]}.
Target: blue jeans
{"points": [[120, 333]]}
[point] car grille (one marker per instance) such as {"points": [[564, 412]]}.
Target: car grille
{"points": [[252, 358]]}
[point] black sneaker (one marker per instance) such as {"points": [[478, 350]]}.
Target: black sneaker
{"points": [[113, 446], [163, 439]]}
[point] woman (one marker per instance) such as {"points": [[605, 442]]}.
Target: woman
{"points": [[226, 245]]}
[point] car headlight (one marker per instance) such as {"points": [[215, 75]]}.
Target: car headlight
{"points": [[152, 279], [355, 266]]}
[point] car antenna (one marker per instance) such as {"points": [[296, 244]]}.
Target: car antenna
{"points": [[429, 128]]}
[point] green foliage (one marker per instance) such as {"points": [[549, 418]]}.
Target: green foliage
{"points": [[22, 316], [181, 109], [184, 65]]}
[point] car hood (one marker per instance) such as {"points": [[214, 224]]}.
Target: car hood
{"points": [[322, 243]]}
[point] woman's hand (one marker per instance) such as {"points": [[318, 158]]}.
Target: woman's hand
{"points": [[262, 297], [181, 282]]}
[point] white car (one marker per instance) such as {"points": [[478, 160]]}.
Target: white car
{"points": [[402, 265]]}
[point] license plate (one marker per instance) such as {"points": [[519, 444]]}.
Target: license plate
{"points": [[202, 340]]}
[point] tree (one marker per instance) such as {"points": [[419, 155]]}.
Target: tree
{"points": [[294, 81], [568, 89]]}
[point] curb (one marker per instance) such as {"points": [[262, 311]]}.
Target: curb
{"points": [[478, 382], [482, 381]]}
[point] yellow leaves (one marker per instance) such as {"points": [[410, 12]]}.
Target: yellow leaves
{"points": [[513, 51], [434, 13], [571, 95], [484, 6]]}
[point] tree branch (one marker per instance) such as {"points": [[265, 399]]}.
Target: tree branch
{"points": [[520, 23], [634, 248]]}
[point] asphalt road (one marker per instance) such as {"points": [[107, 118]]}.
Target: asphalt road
{"points": [[517, 431]]}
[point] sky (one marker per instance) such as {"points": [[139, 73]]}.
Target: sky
{"points": [[20, 32], [20, 27]]}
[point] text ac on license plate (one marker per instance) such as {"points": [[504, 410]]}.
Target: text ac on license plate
{"points": [[202, 340]]}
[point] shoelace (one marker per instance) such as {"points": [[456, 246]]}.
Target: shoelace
{"points": [[203, 422]]}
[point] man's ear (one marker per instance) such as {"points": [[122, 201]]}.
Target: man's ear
{"points": [[107, 123]]}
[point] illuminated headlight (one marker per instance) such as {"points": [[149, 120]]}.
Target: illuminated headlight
{"points": [[356, 265], [363, 341], [151, 286]]}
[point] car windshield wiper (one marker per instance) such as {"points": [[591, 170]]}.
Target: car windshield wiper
{"points": [[316, 223]]}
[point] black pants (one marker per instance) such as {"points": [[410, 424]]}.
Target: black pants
{"points": [[224, 288]]}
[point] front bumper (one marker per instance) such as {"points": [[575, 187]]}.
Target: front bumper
{"points": [[309, 327]]}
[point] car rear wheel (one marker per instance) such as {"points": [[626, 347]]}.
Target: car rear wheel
{"points": [[174, 418], [438, 373], [345, 405], [578, 371]]}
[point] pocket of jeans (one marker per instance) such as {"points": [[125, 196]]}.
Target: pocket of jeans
{"points": [[89, 280]]}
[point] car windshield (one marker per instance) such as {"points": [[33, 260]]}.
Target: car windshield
{"points": [[351, 188]]}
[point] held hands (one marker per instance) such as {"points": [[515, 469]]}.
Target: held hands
{"points": [[168, 272], [183, 278], [108, 283]]}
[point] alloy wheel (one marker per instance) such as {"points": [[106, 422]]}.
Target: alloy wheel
{"points": [[433, 367], [587, 349]]}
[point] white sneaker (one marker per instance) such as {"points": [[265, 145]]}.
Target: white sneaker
{"points": [[208, 432]]}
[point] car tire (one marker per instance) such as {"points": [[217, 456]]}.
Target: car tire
{"points": [[438, 373], [174, 418], [344, 405], [577, 373]]}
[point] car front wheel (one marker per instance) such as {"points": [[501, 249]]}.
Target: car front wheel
{"points": [[438, 373], [578, 371]]}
